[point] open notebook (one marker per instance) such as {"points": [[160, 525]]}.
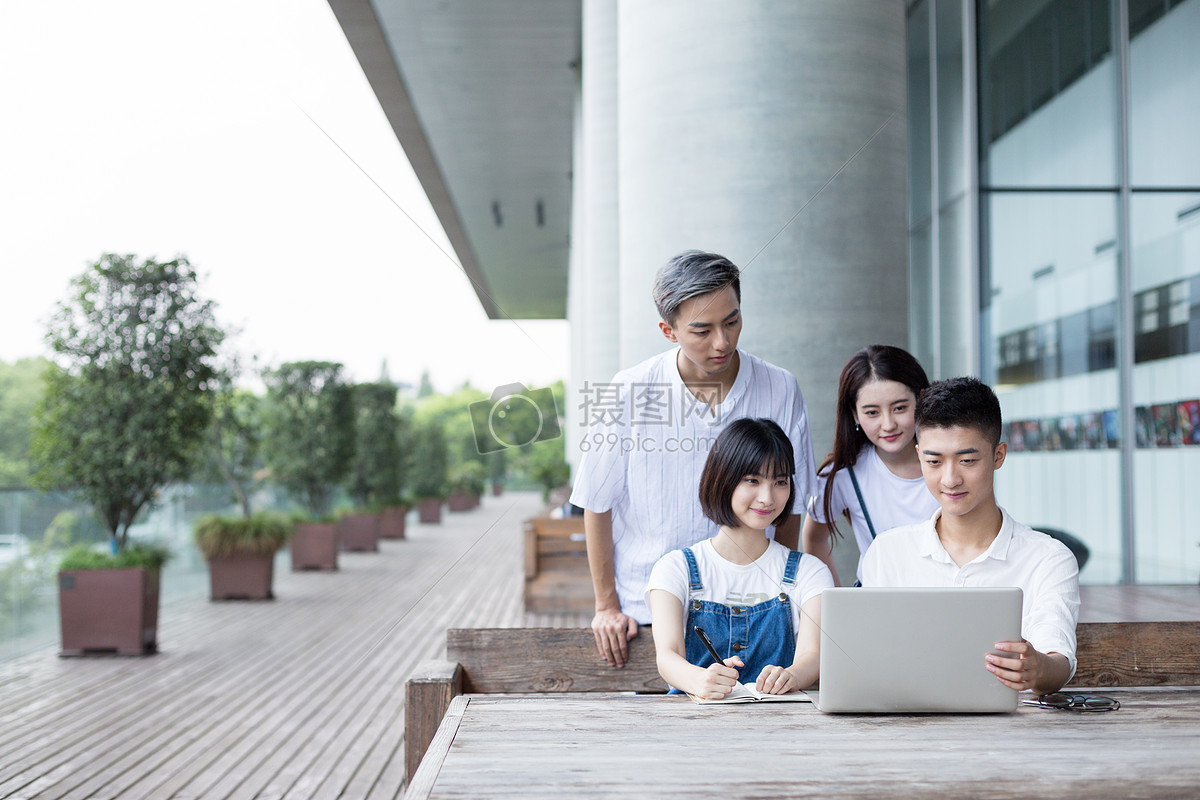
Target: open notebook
{"points": [[746, 693], [915, 650]]}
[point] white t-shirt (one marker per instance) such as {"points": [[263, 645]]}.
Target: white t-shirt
{"points": [[740, 584], [893, 501], [645, 449], [1044, 569]]}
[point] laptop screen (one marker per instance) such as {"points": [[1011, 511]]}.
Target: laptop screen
{"points": [[915, 650]]}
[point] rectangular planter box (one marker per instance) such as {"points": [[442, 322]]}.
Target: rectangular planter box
{"points": [[392, 522], [459, 501], [108, 611], [242, 577], [430, 510], [359, 532], [315, 546]]}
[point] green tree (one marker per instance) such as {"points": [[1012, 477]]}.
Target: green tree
{"points": [[310, 430], [376, 472], [126, 410], [235, 442], [534, 460], [425, 388], [20, 386], [548, 466], [497, 467], [452, 412], [429, 455]]}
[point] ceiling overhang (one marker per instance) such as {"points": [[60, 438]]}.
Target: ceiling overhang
{"points": [[481, 97]]}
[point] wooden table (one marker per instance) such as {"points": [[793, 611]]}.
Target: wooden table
{"points": [[623, 745]]}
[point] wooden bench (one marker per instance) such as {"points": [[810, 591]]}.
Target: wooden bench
{"points": [[540, 660], [557, 579]]}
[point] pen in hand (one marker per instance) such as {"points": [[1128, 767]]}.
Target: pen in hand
{"points": [[708, 643]]}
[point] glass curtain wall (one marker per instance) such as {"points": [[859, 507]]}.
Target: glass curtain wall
{"points": [[1164, 235], [1089, 265], [942, 285]]}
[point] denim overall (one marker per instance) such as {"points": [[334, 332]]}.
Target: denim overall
{"points": [[760, 634]]}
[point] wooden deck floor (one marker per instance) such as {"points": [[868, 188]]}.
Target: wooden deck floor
{"points": [[301, 697]]}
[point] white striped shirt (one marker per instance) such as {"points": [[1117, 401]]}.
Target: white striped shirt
{"points": [[645, 447]]}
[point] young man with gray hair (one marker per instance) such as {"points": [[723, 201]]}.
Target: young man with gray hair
{"points": [[650, 432]]}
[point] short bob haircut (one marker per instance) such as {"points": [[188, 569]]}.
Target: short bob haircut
{"points": [[960, 403], [691, 274], [746, 447]]}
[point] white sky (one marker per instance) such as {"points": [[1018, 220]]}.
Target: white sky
{"points": [[162, 127]]}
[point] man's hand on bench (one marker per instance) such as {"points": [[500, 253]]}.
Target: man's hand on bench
{"points": [[613, 630]]}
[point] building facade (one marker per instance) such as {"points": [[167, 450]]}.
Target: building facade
{"points": [[1009, 188], [1053, 181]]}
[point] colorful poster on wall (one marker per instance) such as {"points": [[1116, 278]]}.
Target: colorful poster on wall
{"points": [[1143, 427], [1033, 435], [1069, 430], [1112, 428], [1166, 425], [1051, 435], [1093, 431], [1014, 434], [1189, 422]]}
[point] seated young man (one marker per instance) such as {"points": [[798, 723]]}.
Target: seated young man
{"points": [[971, 541]]}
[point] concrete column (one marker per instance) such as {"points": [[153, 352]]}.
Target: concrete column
{"points": [[732, 117], [594, 327], [577, 315]]}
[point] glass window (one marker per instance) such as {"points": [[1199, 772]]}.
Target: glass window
{"points": [[1164, 69], [958, 303], [920, 202], [952, 147], [1073, 41], [1050, 317], [922, 325], [1165, 229], [1050, 94], [1165, 272]]}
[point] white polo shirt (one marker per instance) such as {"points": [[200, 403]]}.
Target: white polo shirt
{"points": [[1044, 569], [646, 444], [891, 500]]}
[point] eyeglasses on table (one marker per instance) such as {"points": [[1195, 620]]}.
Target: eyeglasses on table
{"points": [[1073, 702]]}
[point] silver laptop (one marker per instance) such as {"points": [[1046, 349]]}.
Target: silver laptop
{"points": [[914, 650]]}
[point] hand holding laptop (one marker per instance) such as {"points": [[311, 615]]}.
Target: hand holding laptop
{"points": [[1028, 668]]}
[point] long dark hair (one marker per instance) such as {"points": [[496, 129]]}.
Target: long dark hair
{"points": [[876, 362]]}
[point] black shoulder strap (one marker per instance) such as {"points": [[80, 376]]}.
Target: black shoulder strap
{"points": [[861, 504]]}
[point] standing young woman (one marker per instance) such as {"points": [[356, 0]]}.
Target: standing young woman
{"points": [[873, 473]]}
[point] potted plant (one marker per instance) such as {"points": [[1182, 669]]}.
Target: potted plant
{"points": [[235, 437], [309, 446], [497, 467], [108, 603], [314, 544], [393, 520], [429, 482], [548, 466], [359, 531], [393, 517], [240, 552], [374, 477], [123, 414], [466, 485]]}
